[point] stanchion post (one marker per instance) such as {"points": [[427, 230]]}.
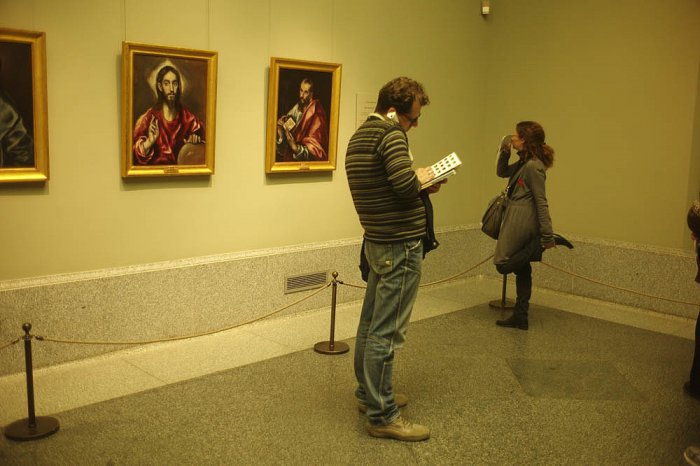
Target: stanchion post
{"points": [[332, 347], [503, 303], [33, 427]]}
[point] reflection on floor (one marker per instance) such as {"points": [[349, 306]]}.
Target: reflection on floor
{"points": [[589, 383]]}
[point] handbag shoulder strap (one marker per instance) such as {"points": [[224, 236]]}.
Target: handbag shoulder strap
{"points": [[514, 178]]}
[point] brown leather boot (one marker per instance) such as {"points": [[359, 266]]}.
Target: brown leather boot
{"points": [[400, 429]]}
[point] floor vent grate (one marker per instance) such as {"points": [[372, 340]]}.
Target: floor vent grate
{"points": [[307, 281]]}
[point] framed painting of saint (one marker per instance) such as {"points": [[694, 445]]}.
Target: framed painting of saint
{"points": [[169, 111], [302, 116]]}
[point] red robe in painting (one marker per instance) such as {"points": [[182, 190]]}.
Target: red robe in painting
{"points": [[172, 136], [312, 132]]}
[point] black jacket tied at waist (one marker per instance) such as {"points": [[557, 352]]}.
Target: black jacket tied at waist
{"points": [[430, 242]]}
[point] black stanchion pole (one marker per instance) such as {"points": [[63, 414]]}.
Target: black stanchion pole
{"points": [[332, 347], [503, 303], [33, 427]]}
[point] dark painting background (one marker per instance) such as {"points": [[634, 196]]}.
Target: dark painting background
{"points": [[16, 79], [288, 90], [193, 74]]}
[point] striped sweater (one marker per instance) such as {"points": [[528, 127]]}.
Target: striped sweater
{"points": [[384, 187]]}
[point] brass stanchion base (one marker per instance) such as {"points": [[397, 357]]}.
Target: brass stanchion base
{"points": [[501, 305], [21, 430], [324, 347]]}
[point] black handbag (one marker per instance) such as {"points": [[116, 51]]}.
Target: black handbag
{"points": [[493, 217]]}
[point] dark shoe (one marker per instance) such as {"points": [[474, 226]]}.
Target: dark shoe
{"points": [[691, 391], [400, 429], [514, 321], [559, 240], [400, 399]]}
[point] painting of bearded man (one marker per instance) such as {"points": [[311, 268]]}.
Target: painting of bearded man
{"points": [[162, 132], [303, 107], [170, 100]]}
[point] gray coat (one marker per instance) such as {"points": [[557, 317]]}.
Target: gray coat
{"points": [[527, 213]]}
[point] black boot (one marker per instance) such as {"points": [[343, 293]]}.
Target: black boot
{"points": [[559, 240], [517, 320], [523, 290]]}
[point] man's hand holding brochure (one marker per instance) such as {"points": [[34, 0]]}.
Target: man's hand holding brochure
{"points": [[442, 170]]}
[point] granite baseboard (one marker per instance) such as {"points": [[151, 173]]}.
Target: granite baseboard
{"points": [[187, 297], [633, 275]]}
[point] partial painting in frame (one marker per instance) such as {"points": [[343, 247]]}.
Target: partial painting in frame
{"points": [[302, 116], [24, 152], [169, 105]]}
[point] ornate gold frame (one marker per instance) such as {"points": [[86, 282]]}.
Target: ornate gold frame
{"points": [[179, 57], [40, 171], [278, 66]]}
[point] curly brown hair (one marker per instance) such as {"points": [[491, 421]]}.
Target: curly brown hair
{"points": [[532, 135], [400, 94]]}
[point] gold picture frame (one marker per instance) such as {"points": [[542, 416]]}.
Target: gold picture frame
{"points": [[24, 134], [169, 111], [303, 104]]}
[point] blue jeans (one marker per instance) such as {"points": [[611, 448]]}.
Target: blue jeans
{"points": [[392, 286]]}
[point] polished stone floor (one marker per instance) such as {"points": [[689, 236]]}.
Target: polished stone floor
{"points": [[589, 383]]}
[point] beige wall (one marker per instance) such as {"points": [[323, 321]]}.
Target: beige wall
{"points": [[614, 83]]}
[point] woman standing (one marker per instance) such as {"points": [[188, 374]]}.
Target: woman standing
{"points": [[527, 227]]}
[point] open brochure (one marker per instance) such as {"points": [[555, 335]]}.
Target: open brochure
{"points": [[443, 169]]}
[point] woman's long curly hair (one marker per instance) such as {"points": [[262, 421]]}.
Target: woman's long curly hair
{"points": [[532, 135]]}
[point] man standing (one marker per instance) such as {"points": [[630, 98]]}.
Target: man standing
{"points": [[386, 192], [162, 132], [302, 133]]}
